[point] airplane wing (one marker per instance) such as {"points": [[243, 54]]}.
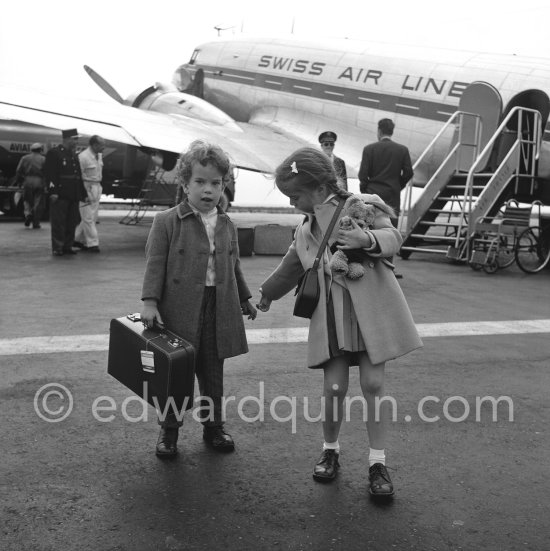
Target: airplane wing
{"points": [[259, 150]]}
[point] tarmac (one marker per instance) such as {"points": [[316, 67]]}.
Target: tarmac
{"points": [[467, 476]]}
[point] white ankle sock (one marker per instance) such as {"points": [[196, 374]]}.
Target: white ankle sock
{"points": [[332, 446], [376, 456]]}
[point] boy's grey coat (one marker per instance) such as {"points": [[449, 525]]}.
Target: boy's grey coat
{"points": [[176, 253]]}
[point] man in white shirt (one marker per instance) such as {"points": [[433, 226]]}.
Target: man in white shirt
{"points": [[91, 165]]}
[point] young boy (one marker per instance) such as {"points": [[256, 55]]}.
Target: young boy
{"points": [[193, 285]]}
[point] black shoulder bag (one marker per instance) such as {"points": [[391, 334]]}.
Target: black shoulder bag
{"points": [[308, 291]]}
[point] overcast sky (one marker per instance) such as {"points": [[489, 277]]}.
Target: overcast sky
{"points": [[132, 44]]}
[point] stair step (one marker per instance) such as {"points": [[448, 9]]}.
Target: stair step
{"points": [[461, 186], [446, 211], [425, 237], [476, 174], [444, 224], [424, 250]]}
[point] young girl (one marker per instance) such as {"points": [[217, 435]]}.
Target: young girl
{"points": [[193, 284], [363, 322]]}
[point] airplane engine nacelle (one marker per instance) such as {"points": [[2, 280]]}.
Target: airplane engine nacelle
{"points": [[168, 100]]}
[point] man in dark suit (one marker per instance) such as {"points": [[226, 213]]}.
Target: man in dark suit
{"points": [[328, 140], [385, 167]]}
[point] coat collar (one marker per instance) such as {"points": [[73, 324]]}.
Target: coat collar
{"points": [[323, 214], [184, 209]]}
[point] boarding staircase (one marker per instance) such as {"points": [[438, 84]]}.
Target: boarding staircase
{"points": [[464, 188], [158, 188]]}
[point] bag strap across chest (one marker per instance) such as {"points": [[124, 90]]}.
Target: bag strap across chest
{"points": [[328, 233]]}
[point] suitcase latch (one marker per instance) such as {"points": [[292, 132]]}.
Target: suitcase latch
{"points": [[175, 343]]}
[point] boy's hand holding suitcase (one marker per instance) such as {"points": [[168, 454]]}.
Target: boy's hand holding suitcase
{"points": [[150, 316]]}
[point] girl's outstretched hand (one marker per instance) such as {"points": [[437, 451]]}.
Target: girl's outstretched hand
{"points": [[264, 304], [248, 309], [353, 239]]}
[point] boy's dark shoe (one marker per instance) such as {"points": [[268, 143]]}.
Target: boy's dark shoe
{"points": [[36, 226], [326, 468], [166, 443], [94, 249], [218, 439], [380, 481], [79, 245], [28, 220], [69, 251]]}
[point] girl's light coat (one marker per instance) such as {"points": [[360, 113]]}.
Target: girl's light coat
{"points": [[386, 323]]}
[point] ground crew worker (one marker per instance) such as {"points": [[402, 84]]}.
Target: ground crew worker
{"points": [[65, 187], [30, 171], [91, 166]]}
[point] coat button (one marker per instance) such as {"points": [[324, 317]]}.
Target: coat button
{"points": [[371, 264]]}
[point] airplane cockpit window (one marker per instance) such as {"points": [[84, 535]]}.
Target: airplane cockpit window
{"points": [[193, 57]]}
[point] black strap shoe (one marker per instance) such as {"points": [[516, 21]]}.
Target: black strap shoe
{"points": [[326, 468], [166, 443], [69, 251], [380, 481], [218, 439]]}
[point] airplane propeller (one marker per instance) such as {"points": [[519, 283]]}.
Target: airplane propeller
{"points": [[171, 98], [103, 84]]}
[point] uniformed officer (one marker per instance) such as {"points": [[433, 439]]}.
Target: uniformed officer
{"points": [[65, 187], [328, 140]]}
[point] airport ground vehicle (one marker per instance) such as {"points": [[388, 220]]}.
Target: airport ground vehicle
{"points": [[533, 249], [515, 234], [495, 240]]}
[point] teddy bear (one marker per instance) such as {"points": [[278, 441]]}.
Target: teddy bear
{"points": [[349, 262]]}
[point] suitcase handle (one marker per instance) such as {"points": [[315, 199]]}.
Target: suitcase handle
{"points": [[137, 317], [174, 342]]}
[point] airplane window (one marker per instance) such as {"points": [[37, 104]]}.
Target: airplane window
{"points": [[193, 57]]}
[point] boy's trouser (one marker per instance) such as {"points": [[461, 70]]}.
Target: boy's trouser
{"points": [[208, 367], [86, 232]]}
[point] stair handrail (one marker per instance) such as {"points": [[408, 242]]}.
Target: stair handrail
{"points": [[468, 190], [410, 183]]}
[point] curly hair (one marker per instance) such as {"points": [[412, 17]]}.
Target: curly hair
{"points": [[309, 168], [203, 153]]}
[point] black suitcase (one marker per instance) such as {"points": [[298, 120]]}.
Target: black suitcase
{"points": [[153, 363]]}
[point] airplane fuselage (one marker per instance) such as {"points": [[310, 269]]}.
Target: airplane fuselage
{"points": [[304, 88]]}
